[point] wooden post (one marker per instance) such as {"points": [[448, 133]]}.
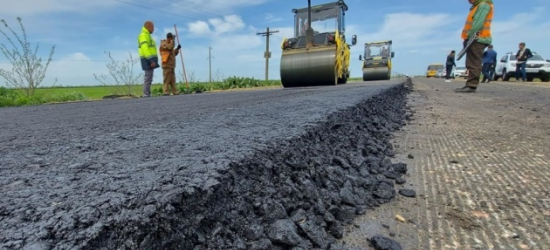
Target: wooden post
{"points": [[181, 56]]}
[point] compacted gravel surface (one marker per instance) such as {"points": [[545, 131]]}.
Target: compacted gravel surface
{"points": [[272, 169]]}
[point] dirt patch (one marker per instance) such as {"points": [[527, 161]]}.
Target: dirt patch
{"points": [[463, 219], [120, 97]]}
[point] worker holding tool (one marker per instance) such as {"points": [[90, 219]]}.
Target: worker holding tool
{"points": [[478, 27], [168, 56], [148, 55]]}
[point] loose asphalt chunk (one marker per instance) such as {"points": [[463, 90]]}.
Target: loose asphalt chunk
{"points": [[384, 243], [407, 192], [283, 170]]}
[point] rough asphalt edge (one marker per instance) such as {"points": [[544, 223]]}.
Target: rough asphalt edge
{"points": [[298, 194], [382, 221]]}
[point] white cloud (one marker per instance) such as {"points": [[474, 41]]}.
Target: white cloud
{"points": [[199, 28], [408, 30], [213, 7], [270, 18], [228, 24], [78, 56], [30, 7], [216, 26]]}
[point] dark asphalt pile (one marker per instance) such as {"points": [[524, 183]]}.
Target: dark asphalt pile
{"points": [[261, 170]]}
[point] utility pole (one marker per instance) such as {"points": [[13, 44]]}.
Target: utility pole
{"points": [[267, 53], [210, 63]]}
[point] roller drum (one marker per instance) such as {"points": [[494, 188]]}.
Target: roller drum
{"points": [[309, 68], [375, 74]]}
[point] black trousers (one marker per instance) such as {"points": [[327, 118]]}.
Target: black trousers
{"points": [[487, 71], [449, 70]]}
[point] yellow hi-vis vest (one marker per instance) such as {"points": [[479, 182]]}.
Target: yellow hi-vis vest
{"points": [[147, 49], [485, 32]]}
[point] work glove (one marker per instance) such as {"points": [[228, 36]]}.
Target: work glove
{"points": [[179, 46]]}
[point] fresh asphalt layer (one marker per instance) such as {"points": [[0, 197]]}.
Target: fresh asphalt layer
{"points": [[124, 173]]}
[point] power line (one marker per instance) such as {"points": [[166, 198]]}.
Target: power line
{"points": [[53, 60], [267, 53], [163, 11]]}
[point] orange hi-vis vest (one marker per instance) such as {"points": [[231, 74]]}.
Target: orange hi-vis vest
{"points": [[164, 53], [485, 31]]}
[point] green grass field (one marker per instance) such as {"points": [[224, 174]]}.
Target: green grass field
{"points": [[16, 97], [91, 92]]}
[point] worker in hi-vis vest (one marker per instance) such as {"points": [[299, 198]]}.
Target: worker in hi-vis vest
{"points": [[148, 56], [478, 23], [168, 53]]}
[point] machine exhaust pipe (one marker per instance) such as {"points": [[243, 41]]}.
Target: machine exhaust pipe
{"points": [[309, 31]]}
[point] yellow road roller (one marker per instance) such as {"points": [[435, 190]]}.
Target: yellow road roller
{"points": [[377, 60], [318, 53]]}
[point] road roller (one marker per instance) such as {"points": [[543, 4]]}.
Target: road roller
{"points": [[377, 60], [318, 53]]}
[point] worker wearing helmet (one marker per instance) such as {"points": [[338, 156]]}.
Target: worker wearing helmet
{"points": [[168, 56]]}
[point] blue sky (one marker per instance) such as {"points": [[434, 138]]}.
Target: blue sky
{"points": [[423, 32]]}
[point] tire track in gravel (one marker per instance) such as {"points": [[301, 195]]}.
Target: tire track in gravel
{"points": [[495, 191]]}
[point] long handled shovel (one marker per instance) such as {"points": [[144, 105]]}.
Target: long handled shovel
{"points": [[181, 56]]}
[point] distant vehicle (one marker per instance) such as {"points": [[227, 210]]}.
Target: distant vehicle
{"points": [[377, 62], [461, 72], [432, 69], [442, 73], [537, 67]]}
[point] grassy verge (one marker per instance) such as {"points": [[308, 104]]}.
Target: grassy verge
{"points": [[10, 98], [14, 97], [91, 92]]}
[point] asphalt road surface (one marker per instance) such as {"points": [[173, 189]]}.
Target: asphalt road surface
{"points": [[179, 171]]}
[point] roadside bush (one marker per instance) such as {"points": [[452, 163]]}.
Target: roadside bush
{"points": [[7, 97], [227, 84]]}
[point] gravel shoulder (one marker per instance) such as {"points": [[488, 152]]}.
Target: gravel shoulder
{"points": [[480, 168]]}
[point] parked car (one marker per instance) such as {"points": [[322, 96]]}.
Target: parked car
{"points": [[461, 72], [537, 67], [432, 69], [441, 73]]}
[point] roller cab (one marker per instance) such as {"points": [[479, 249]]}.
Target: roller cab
{"points": [[317, 54], [377, 60]]}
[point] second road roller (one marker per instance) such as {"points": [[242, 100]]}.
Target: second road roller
{"points": [[377, 60], [318, 54]]}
